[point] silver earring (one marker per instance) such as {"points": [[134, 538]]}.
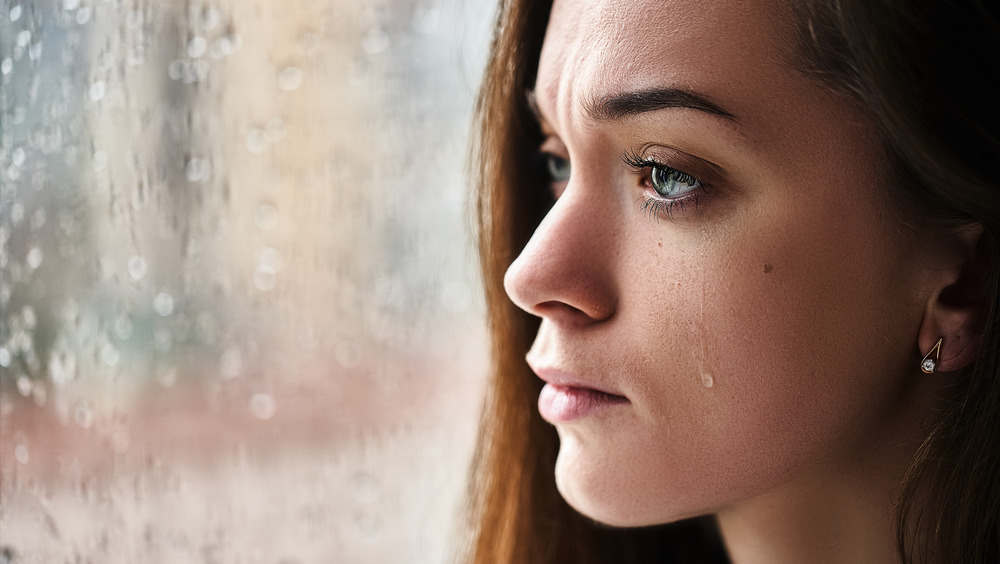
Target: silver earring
{"points": [[928, 364]]}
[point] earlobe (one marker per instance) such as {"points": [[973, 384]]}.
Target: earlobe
{"points": [[955, 311]]}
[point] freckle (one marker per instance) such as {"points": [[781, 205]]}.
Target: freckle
{"points": [[768, 268]]}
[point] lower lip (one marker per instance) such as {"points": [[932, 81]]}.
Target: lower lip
{"points": [[559, 404]]}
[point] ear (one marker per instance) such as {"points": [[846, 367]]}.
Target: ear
{"points": [[956, 306]]}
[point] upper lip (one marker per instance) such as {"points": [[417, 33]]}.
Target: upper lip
{"points": [[565, 379]]}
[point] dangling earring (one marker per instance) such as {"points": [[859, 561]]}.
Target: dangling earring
{"points": [[928, 364]]}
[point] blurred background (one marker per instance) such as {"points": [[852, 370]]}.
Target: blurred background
{"points": [[240, 319]]}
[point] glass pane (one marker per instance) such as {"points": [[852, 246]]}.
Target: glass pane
{"points": [[240, 315]]}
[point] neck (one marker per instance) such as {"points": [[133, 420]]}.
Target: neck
{"points": [[835, 521]]}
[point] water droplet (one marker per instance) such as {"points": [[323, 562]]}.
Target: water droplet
{"points": [[62, 368], [6, 66], [231, 363], [15, 13], [110, 354], [210, 19], [5, 357], [266, 217], [368, 527], [70, 4], [166, 376], [17, 156], [264, 279], [100, 160], [375, 41], [196, 169], [83, 416], [21, 452], [28, 317], [269, 259], [262, 406], [348, 354], [123, 327], [290, 78], [34, 258], [23, 37], [196, 47], [35, 51], [83, 15], [257, 141], [97, 90], [24, 385], [176, 69], [706, 380], [163, 303], [136, 267]]}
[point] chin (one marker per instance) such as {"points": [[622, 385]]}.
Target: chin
{"points": [[611, 498]]}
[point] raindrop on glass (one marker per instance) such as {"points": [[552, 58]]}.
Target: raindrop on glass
{"points": [[196, 47], [110, 355], [70, 4], [83, 15], [23, 37], [6, 66], [15, 13], [136, 267], [290, 78], [264, 279], [17, 156], [269, 259], [83, 416], [262, 406], [28, 317], [97, 90], [196, 169], [24, 385], [210, 19], [100, 160], [5, 357], [231, 363], [257, 141], [163, 303], [34, 258], [21, 452]]}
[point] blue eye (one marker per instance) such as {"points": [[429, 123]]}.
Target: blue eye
{"points": [[670, 182], [557, 167]]}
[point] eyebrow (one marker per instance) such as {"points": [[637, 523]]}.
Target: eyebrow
{"points": [[628, 104]]}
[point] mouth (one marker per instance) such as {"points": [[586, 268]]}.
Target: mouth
{"points": [[566, 398], [562, 404]]}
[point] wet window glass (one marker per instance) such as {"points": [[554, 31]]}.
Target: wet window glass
{"points": [[239, 314]]}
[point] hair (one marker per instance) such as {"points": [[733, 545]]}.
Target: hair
{"points": [[917, 68]]}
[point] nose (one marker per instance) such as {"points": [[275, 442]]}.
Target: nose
{"points": [[566, 271]]}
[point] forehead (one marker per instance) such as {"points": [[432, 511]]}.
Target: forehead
{"points": [[594, 48]]}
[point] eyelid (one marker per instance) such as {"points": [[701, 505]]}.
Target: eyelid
{"points": [[706, 172]]}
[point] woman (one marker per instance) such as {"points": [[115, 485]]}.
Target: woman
{"points": [[742, 257]]}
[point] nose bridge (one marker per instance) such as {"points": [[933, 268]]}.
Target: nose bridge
{"points": [[567, 269]]}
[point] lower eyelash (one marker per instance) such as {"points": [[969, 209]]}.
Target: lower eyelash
{"points": [[656, 208]]}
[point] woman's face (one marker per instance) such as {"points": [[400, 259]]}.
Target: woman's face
{"points": [[728, 305]]}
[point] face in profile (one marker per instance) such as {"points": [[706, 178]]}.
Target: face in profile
{"points": [[729, 304]]}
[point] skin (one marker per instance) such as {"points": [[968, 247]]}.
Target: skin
{"points": [[765, 336]]}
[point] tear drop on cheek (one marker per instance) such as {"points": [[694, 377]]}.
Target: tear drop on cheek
{"points": [[706, 380]]}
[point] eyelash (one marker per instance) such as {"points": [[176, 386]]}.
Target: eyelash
{"points": [[658, 206]]}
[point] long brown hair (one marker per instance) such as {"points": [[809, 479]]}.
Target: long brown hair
{"points": [[946, 151]]}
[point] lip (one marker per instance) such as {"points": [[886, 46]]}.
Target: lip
{"points": [[566, 398]]}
